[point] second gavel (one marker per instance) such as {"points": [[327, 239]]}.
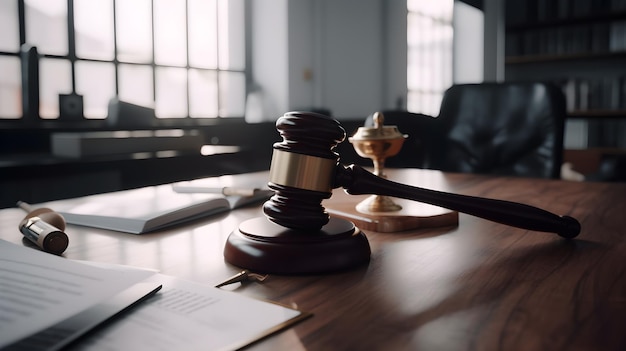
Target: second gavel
{"points": [[305, 169]]}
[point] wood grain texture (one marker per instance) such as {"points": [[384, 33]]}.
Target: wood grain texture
{"points": [[476, 286]]}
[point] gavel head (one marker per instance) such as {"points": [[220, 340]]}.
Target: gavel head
{"points": [[303, 169]]}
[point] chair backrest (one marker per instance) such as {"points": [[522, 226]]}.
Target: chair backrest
{"points": [[490, 128], [501, 128]]}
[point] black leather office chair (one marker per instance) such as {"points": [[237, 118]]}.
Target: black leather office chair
{"points": [[491, 128]]}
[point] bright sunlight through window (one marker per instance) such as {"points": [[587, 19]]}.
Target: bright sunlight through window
{"points": [[429, 62]]}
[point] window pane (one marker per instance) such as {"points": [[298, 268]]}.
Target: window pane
{"points": [[231, 23], [171, 92], [134, 30], [429, 61], [202, 93], [10, 87], [55, 77], [95, 81], [170, 32], [203, 33], [415, 69], [9, 26], [428, 103], [46, 26], [435, 9], [94, 29], [232, 94], [135, 85]]}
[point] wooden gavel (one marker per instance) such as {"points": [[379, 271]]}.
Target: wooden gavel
{"points": [[305, 169]]}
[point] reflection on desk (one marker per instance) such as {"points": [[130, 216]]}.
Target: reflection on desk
{"points": [[480, 285]]}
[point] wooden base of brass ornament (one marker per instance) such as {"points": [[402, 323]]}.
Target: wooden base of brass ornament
{"points": [[377, 203], [411, 215], [266, 247]]}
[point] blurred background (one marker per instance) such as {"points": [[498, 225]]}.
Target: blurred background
{"points": [[102, 95]]}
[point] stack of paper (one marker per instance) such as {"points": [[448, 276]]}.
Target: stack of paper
{"points": [[47, 301]]}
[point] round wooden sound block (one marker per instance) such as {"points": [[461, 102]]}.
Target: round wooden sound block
{"points": [[266, 247]]}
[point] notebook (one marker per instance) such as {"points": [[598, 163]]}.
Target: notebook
{"points": [[148, 209]]}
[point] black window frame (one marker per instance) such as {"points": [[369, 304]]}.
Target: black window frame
{"points": [[31, 120]]}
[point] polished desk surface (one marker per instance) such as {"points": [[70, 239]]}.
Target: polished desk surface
{"points": [[478, 286]]}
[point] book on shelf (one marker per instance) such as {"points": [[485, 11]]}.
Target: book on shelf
{"points": [[152, 208], [594, 94]]}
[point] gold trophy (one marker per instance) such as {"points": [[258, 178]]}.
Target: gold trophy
{"points": [[378, 143]]}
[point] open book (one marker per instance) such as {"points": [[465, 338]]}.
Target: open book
{"points": [[148, 209]]}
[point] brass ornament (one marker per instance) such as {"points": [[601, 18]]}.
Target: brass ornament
{"points": [[378, 143]]}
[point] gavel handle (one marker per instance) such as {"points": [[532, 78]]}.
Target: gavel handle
{"points": [[357, 181]]}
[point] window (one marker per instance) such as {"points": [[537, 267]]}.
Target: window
{"points": [[429, 47], [185, 59]]}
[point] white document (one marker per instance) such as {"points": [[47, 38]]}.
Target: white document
{"points": [[190, 316], [40, 290]]}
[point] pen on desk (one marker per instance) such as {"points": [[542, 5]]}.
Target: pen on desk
{"points": [[24, 206], [241, 277], [227, 190]]}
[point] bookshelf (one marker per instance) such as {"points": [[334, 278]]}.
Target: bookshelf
{"points": [[579, 45]]}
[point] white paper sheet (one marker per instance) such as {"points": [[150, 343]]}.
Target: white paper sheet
{"points": [[39, 290], [190, 316]]}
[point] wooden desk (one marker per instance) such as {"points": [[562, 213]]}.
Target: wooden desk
{"points": [[478, 286]]}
